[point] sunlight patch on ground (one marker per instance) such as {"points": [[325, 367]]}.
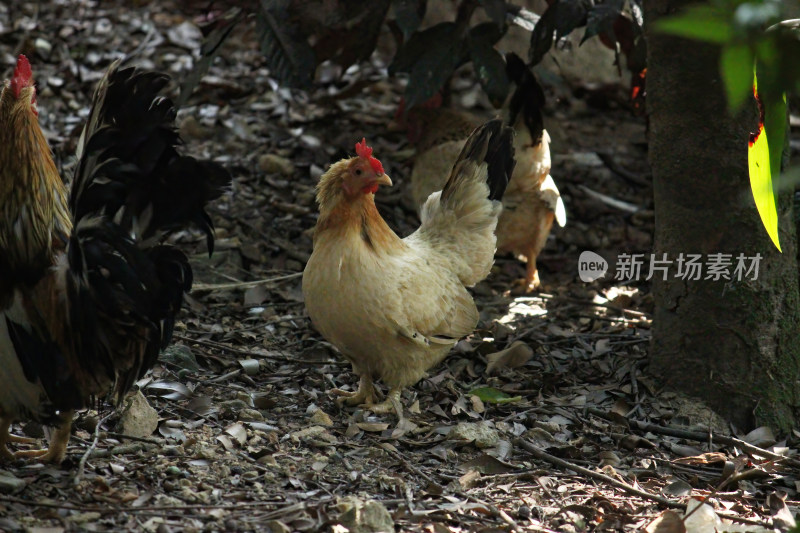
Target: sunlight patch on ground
{"points": [[524, 306]]}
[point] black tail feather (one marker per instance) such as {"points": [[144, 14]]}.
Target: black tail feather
{"points": [[130, 169], [130, 191], [528, 97], [493, 144]]}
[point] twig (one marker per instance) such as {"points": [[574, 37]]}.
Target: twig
{"points": [[231, 349], [82, 463], [115, 435], [700, 436], [223, 377], [128, 509], [536, 452], [494, 510], [242, 284]]}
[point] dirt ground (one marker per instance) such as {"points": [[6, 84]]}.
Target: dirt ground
{"points": [[577, 437]]}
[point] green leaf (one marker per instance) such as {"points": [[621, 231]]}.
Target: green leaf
{"points": [[560, 19], [429, 57], [216, 34], [492, 395], [700, 22], [419, 44], [758, 159], [490, 70], [409, 15], [286, 50], [736, 67], [496, 9], [601, 18], [775, 129]]}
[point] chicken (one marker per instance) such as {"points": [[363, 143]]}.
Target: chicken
{"points": [[532, 200], [88, 288], [394, 307]]}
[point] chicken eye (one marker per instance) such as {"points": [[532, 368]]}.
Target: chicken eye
{"points": [[358, 172]]}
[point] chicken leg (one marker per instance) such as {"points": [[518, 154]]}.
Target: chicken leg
{"points": [[531, 275], [364, 395]]}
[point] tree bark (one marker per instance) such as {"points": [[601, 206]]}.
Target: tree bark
{"points": [[733, 344]]}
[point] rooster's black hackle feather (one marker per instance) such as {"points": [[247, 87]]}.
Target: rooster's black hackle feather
{"points": [[528, 97]]}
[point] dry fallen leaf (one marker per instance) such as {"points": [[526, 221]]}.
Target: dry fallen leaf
{"points": [[514, 356], [667, 522], [704, 459]]}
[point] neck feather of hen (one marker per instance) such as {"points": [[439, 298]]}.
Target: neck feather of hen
{"points": [[34, 218], [359, 217]]}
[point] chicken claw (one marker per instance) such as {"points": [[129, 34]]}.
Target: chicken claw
{"points": [[392, 403], [364, 395], [6, 437]]}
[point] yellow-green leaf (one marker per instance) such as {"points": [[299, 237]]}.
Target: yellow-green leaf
{"points": [[758, 158], [492, 395]]}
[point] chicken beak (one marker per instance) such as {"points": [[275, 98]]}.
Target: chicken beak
{"points": [[384, 179]]}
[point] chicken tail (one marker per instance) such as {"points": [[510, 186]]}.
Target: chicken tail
{"points": [[129, 169], [460, 220], [527, 100], [491, 144], [130, 191]]}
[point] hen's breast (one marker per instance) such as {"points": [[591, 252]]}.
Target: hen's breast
{"points": [[357, 299]]}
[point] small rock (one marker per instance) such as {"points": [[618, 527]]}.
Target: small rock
{"points": [[321, 418], [206, 452], [275, 164], [43, 47], [138, 418], [173, 471], [481, 434], [251, 415], [307, 433], [230, 408], [173, 451], [10, 484], [365, 517]]}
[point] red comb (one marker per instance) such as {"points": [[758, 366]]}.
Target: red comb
{"points": [[23, 75], [366, 152]]}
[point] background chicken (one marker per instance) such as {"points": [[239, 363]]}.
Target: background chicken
{"points": [[88, 290], [532, 200], [394, 307]]}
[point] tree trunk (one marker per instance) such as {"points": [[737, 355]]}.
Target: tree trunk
{"points": [[733, 344]]}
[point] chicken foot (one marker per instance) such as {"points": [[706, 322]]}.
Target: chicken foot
{"points": [[6, 437], [392, 403], [364, 395], [57, 450]]}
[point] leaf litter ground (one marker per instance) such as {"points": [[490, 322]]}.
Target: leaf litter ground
{"points": [[565, 431]]}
